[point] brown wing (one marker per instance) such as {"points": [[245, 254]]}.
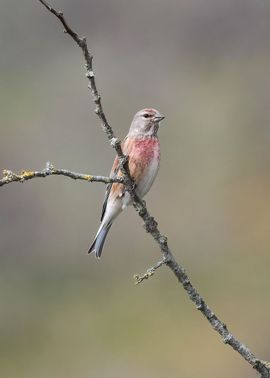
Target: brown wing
{"points": [[114, 171], [115, 188]]}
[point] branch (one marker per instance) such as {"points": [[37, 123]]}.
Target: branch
{"points": [[149, 273], [150, 224], [9, 176], [88, 57]]}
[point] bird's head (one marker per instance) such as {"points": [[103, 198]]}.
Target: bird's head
{"points": [[145, 123]]}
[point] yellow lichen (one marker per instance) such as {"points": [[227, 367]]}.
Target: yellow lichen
{"points": [[6, 173], [88, 177], [27, 174]]}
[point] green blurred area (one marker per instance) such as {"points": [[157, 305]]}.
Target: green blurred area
{"points": [[206, 66]]}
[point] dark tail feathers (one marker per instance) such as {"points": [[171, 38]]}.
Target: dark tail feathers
{"points": [[98, 243]]}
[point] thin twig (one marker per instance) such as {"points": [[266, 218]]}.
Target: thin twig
{"points": [[9, 176], [150, 224], [149, 273]]}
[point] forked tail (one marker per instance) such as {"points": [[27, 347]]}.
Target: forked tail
{"points": [[98, 243]]}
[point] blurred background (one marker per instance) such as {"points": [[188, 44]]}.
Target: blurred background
{"points": [[205, 64]]}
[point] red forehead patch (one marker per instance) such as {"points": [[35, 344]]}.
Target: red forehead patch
{"points": [[150, 110]]}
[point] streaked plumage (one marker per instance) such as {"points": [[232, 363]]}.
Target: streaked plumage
{"points": [[142, 146]]}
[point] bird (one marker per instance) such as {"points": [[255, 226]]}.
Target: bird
{"points": [[142, 147]]}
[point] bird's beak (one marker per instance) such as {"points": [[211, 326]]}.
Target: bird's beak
{"points": [[159, 117]]}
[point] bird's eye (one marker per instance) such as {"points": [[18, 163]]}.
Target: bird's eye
{"points": [[146, 115]]}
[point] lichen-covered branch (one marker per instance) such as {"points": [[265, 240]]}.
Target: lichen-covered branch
{"points": [[9, 176], [150, 224]]}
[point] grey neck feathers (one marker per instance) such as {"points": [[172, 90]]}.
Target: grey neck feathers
{"points": [[151, 133]]}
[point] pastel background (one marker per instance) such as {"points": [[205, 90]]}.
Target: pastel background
{"points": [[205, 64]]}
